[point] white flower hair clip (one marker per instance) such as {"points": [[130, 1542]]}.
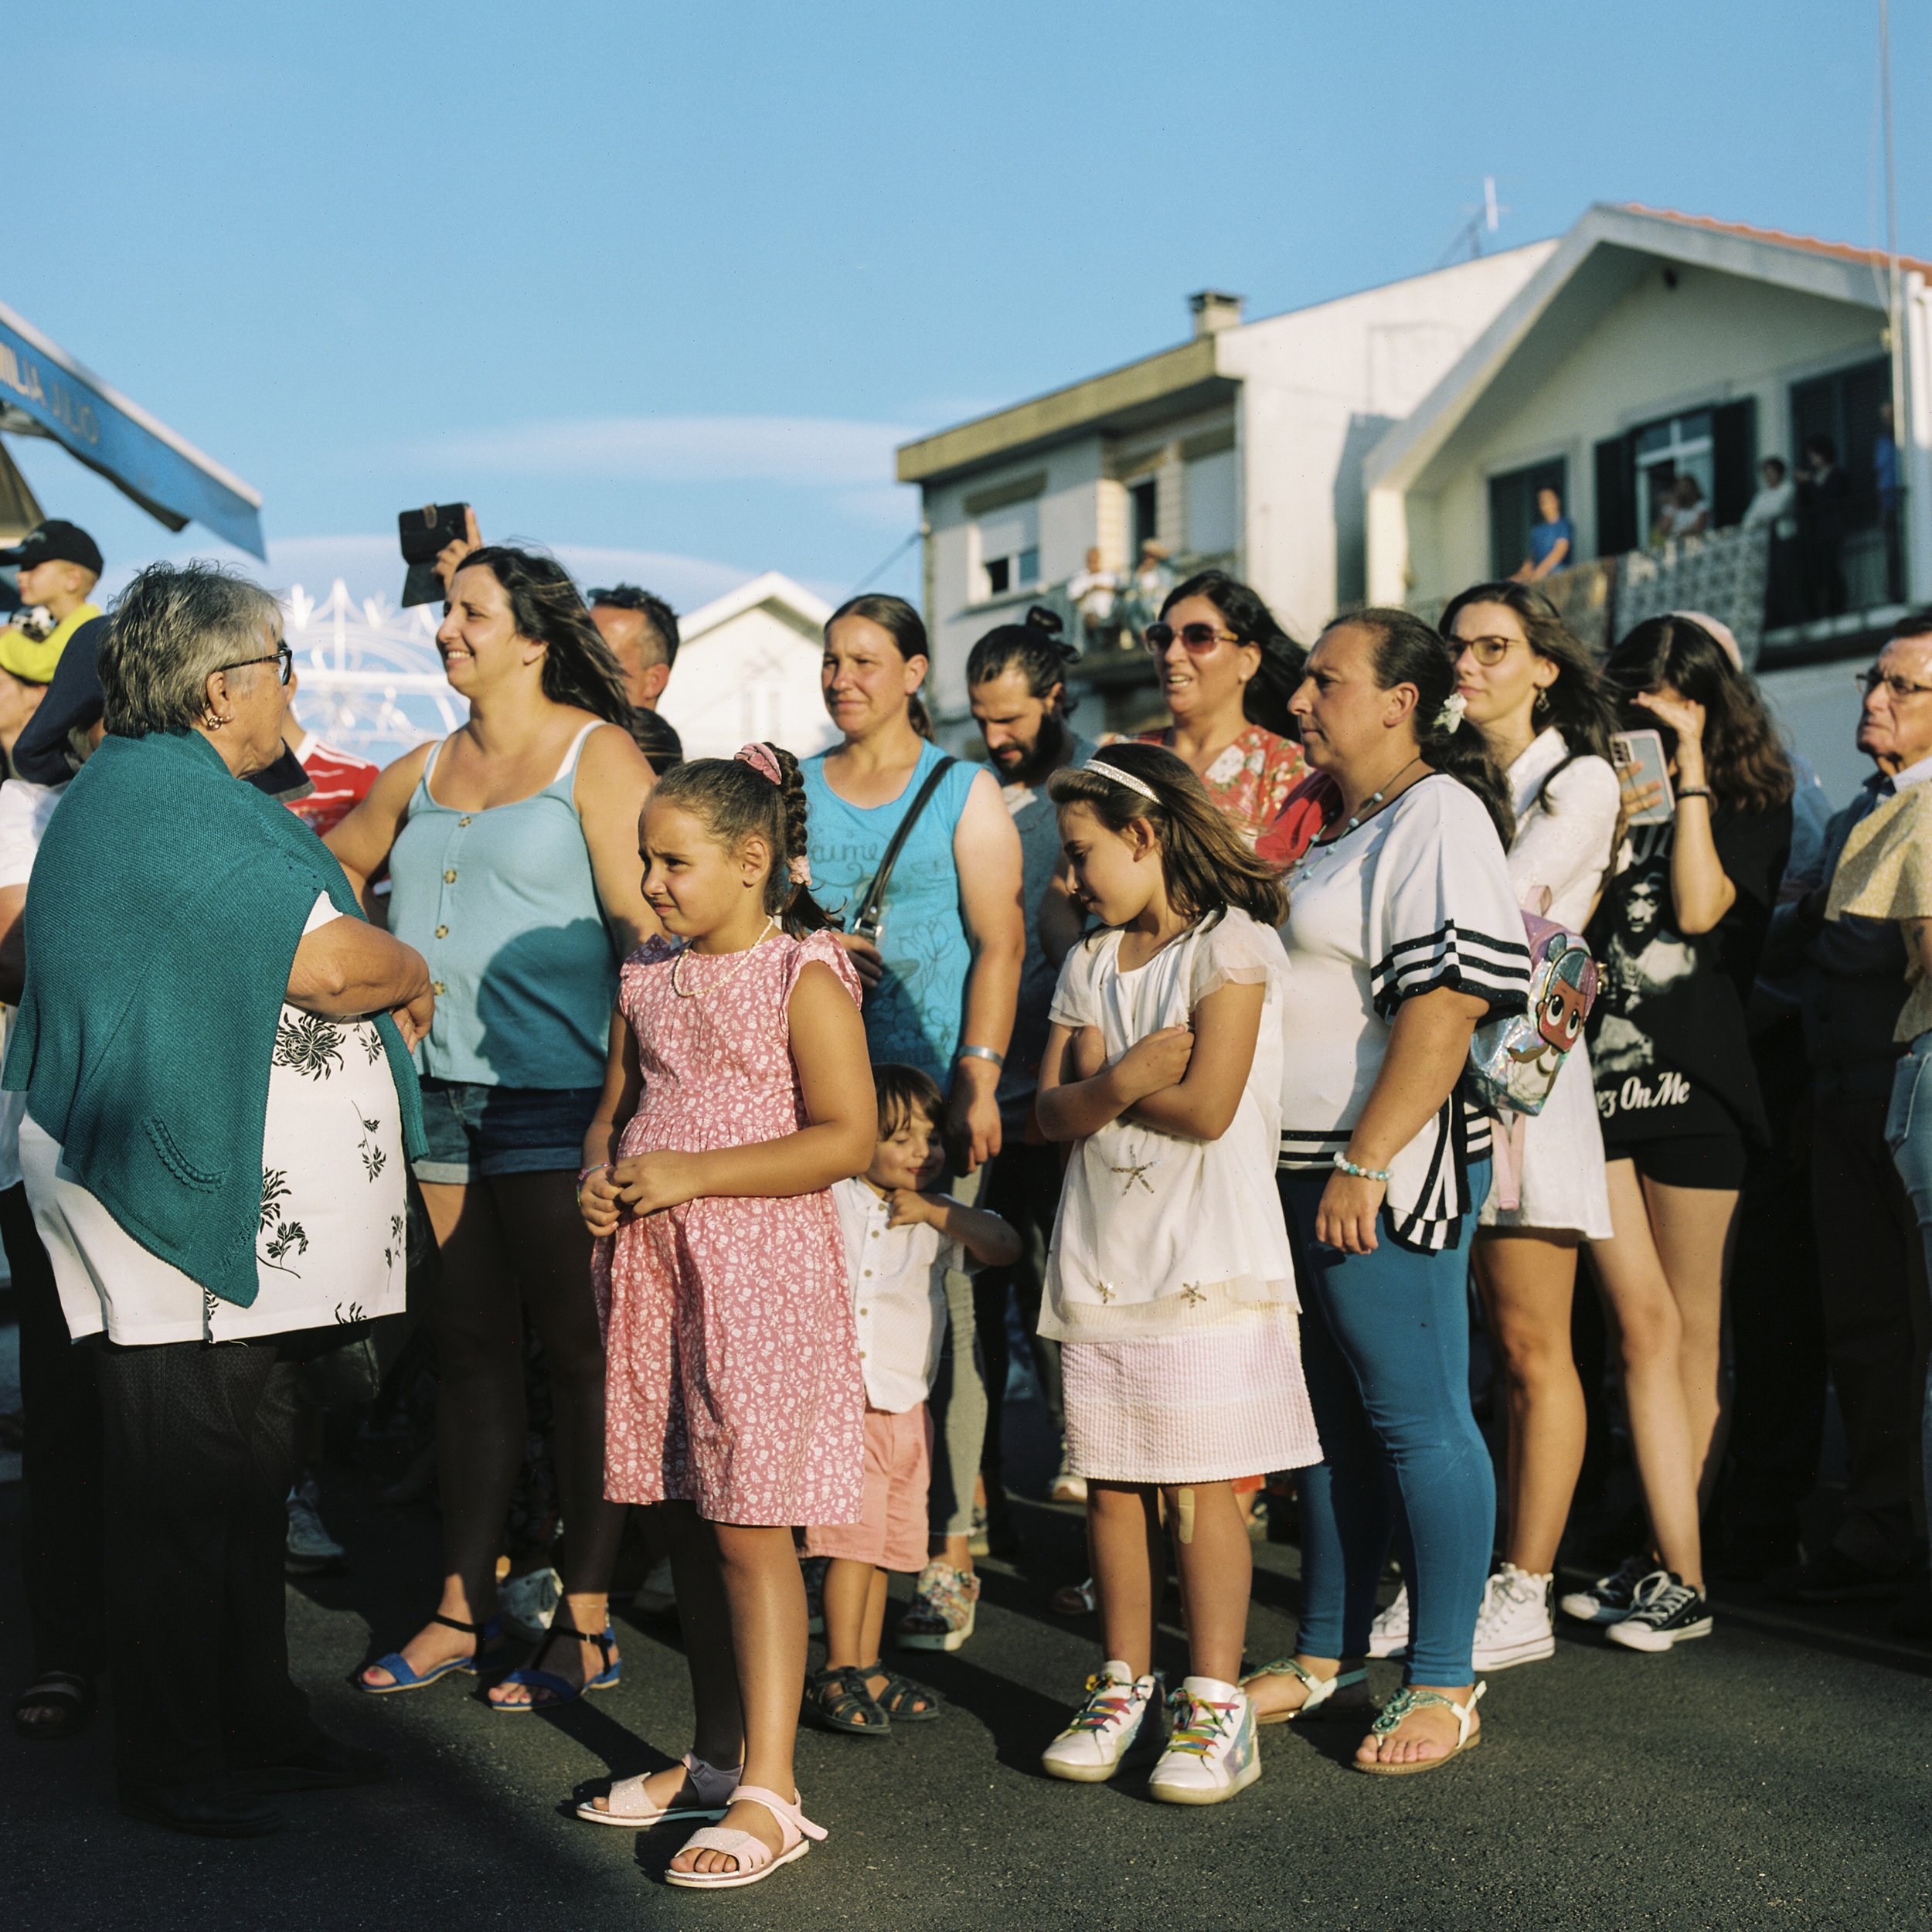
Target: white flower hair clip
{"points": [[1449, 717]]}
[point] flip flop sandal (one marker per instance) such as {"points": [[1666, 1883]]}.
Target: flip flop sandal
{"points": [[557, 1689], [1399, 1707], [756, 1860], [901, 1700], [69, 1695], [630, 1807], [489, 1637], [1320, 1690], [836, 1698]]}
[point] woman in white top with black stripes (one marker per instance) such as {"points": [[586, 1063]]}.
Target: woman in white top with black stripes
{"points": [[1403, 936]]}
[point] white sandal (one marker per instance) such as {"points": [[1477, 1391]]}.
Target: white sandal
{"points": [[756, 1859], [629, 1804], [1320, 1690], [1399, 1707]]}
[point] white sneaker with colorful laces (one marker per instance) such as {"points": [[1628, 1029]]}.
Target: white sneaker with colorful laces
{"points": [[1119, 1708], [1211, 1750]]}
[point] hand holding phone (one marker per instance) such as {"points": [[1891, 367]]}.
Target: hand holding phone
{"points": [[1645, 772], [426, 535]]}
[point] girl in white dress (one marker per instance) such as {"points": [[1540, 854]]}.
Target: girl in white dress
{"points": [[1169, 1286], [1530, 687]]}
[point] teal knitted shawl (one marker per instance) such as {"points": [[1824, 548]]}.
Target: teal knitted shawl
{"points": [[167, 901]]}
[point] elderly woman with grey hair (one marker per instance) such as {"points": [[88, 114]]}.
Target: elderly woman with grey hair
{"points": [[213, 1044]]}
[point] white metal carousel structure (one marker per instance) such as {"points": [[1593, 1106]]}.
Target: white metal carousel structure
{"points": [[372, 682]]}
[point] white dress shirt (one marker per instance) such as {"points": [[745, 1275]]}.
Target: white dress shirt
{"points": [[898, 1295]]}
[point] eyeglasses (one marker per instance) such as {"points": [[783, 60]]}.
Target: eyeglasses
{"points": [[1199, 639], [1485, 650], [1869, 681], [284, 661]]}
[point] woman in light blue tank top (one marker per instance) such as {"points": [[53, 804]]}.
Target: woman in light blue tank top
{"points": [[512, 853], [940, 984]]}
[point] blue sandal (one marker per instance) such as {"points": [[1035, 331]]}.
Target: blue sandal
{"points": [[489, 1637], [560, 1690]]}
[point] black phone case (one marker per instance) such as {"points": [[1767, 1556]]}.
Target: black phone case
{"points": [[423, 533]]}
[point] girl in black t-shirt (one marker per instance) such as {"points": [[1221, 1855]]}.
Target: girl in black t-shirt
{"points": [[1678, 935]]}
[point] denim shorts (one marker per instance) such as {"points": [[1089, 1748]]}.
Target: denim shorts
{"points": [[475, 1131]]}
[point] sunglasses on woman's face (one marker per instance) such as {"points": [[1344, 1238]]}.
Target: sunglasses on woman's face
{"points": [[1199, 639]]}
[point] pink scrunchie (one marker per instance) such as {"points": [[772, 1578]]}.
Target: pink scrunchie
{"points": [[761, 761]]}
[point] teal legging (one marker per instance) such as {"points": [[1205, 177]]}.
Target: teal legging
{"points": [[1385, 1344]]}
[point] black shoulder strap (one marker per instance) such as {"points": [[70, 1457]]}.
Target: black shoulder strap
{"points": [[867, 920]]}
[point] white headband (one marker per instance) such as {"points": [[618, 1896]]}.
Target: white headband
{"points": [[1120, 777]]}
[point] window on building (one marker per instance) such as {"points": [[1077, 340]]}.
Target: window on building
{"points": [[1144, 505], [1844, 407], [1679, 446], [1637, 471], [1007, 540], [1512, 509]]}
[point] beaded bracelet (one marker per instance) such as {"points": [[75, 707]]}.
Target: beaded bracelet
{"points": [[1344, 1165], [584, 1174]]}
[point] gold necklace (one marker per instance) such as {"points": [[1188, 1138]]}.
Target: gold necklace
{"points": [[744, 959]]}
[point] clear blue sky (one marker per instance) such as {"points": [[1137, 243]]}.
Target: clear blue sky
{"points": [[671, 280]]}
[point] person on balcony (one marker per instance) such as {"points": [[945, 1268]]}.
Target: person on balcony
{"points": [[1688, 515], [1824, 505], [1774, 508], [1552, 539], [1095, 593]]}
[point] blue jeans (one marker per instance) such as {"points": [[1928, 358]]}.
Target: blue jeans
{"points": [[1908, 1132], [1385, 1344]]}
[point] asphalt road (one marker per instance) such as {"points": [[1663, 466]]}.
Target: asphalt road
{"points": [[1764, 1777]]}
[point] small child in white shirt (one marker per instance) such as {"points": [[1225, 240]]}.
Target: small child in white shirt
{"points": [[899, 1243]]}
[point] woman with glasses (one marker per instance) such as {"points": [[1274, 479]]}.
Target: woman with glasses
{"points": [[214, 1047], [1677, 939], [1530, 689], [1227, 671], [512, 849]]}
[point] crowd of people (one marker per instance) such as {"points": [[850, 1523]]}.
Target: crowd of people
{"points": [[1257, 1065]]}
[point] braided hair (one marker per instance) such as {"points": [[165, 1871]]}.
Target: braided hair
{"points": [[734, 799]]}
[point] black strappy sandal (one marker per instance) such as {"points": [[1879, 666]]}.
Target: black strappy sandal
{"points": [[549, 1689], [67, 1694], [489, 1637], [901, 1700], [837, 1698]]}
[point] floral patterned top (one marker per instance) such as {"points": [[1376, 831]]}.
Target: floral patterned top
{"points": [[329, 1247], [1251, 780]]}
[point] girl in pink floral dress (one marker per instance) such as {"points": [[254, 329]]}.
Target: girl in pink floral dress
{"points": [[738, 1090]]}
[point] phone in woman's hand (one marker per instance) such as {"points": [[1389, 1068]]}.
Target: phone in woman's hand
{"points": [[1641, 765]]}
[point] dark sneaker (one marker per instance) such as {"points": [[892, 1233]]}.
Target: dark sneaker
{"points": [[1833, 1577], [1610, 1599], [1666, 1612]]}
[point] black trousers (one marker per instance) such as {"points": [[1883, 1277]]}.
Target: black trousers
{"points": [[1777, 1315], [1022, 1188], [200, 1450], [61, 1544]]}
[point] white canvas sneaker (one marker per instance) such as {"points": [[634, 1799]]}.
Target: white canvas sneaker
{"points": [[1211, 1751], [1388, 1634], [1514, 1625], [1120, 1716]]}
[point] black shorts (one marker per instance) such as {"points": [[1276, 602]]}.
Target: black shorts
{"points": [[1686, 1160]]}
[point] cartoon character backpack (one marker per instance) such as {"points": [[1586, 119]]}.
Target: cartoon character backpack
{"points": [[1514, 1061]]}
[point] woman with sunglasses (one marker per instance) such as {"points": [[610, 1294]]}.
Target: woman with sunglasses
{"points": [[1227, 671], [1677, 939], [1530, 689]]}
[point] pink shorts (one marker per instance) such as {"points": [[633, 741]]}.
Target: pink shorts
{"points": [[891, 1531]]}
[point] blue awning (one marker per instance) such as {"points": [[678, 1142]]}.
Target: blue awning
{"points": [[45, 392]]}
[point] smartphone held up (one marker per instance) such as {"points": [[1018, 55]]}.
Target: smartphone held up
{"points": [[425, 533], [1640, 763]]}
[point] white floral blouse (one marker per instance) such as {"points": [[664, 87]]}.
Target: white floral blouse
{"points": [[330, 1246]]}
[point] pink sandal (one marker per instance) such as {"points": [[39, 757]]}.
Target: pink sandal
{"points": [[755, 1860], [629, 1804]]}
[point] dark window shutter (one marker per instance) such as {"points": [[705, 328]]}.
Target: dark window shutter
{"points": [[1616, 498], [1733, 459]]}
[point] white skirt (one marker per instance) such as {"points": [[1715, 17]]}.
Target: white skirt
{"points": [[1563, 1187], [1205, 1407]]}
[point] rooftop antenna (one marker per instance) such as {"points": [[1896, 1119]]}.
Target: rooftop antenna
{"points": [[1483, 220]]}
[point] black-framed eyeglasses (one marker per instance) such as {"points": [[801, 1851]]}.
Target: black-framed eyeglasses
{"points": [[1869, 681], [284, 661], [1199, 639]]}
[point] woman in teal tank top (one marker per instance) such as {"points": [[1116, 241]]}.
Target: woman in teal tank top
{"points": [[512, 853], [941, 981]]}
